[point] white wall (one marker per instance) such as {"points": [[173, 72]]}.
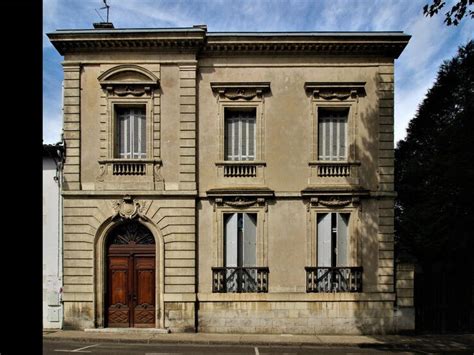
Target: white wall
{"points": [[52, 248]]}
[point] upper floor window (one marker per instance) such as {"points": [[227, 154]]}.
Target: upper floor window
{"points": [[239, 135], [332, 134], [131, 132]]}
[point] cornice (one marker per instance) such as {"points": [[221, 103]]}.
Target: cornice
{"points": [[70, 42], [224, 44], [387, 46]]}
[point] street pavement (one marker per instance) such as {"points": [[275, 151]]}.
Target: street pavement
{"points": [[56, 342], [64, 347]]}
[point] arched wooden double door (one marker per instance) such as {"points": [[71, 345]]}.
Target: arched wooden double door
{"points": [[130, 277]]}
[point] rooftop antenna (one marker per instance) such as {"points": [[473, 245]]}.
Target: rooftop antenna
{"points": [[98, 13], [107, 6], [104, 24]]}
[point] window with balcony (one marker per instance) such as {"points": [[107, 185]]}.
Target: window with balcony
{"points": [[240, 273], [332, 134], [334, 110], [332, 273], [240, 157], [239, 135], [129, 153], [131, 132]]}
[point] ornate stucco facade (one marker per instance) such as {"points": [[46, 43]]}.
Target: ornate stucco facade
{"points": [[188, 84]]}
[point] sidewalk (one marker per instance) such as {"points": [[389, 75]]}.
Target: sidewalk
{"points": [[438, 342]]}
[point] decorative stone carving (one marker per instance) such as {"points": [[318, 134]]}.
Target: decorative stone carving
{"points": [[335, 94], [157, 172], [128, 90], [243, 90], [335, 202], [240, 202], [102, 172], [331, 202], [340, 91], [234, 94], [128, 208]]}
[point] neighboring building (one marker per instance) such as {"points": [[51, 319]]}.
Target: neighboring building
{"points": [[52, 236], [231, 182]]}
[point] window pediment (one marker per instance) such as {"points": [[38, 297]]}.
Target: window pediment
{"points": [[336, 90], [240, 90], [126, 80]]}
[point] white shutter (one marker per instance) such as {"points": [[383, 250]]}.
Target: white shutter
{"points": [[332, 132], [235, 139], [251, 150], [249, 249], [342, 239], [142, 136], [342, 139], [324, 239], [124, 133], [244, 137], [135, 136], [231, 240]]}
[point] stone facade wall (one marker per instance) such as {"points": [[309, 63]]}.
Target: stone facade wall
{"points": [[297, 317], [179, 316], [175, 220], [405, 287]]}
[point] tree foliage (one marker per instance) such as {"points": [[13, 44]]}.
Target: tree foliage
{"points": [[434, 166], [453, 16]]}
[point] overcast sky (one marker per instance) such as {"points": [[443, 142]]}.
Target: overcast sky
{"points": [[415, 70]]}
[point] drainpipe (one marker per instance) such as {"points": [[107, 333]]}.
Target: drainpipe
{"points": [[59, 162]]}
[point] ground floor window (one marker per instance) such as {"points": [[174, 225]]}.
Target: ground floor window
{"points": [[240, 272]]}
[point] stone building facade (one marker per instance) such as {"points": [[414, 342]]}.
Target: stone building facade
{"points": [[231, 182]]}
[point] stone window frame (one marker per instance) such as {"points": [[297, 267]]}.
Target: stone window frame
{"points": [[127, 86], [112, 105], [241, 95], [137, 89], [348, 205], [335, 95], [222, 207]]}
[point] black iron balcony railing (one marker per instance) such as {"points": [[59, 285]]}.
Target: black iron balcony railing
{"points": [[333, 279], [240, 279]]}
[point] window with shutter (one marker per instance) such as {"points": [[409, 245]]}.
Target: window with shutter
{"points": [[240, 240], [332, 239], [131, 132], [332, 134], [239, 134]]}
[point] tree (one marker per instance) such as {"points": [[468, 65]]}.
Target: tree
{"points": [[434, 167], [453, 16]]}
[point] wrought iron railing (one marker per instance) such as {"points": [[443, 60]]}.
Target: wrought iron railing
{"points": [[240, 279], [333, 279]]}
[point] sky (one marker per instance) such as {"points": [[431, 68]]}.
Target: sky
{"points": [[432, 41]]}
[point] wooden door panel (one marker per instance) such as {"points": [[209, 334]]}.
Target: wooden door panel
{"points": [[119, 289], [144, 296]]}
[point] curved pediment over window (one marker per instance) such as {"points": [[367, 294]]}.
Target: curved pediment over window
{"points": [[126, 80]]}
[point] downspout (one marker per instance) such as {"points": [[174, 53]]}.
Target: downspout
{"points": [[59, 160]]}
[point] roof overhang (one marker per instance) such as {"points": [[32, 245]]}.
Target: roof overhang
{"points": [[387, 44]]}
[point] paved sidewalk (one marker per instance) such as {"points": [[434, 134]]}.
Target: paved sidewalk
{"points": [[438, 342]]}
